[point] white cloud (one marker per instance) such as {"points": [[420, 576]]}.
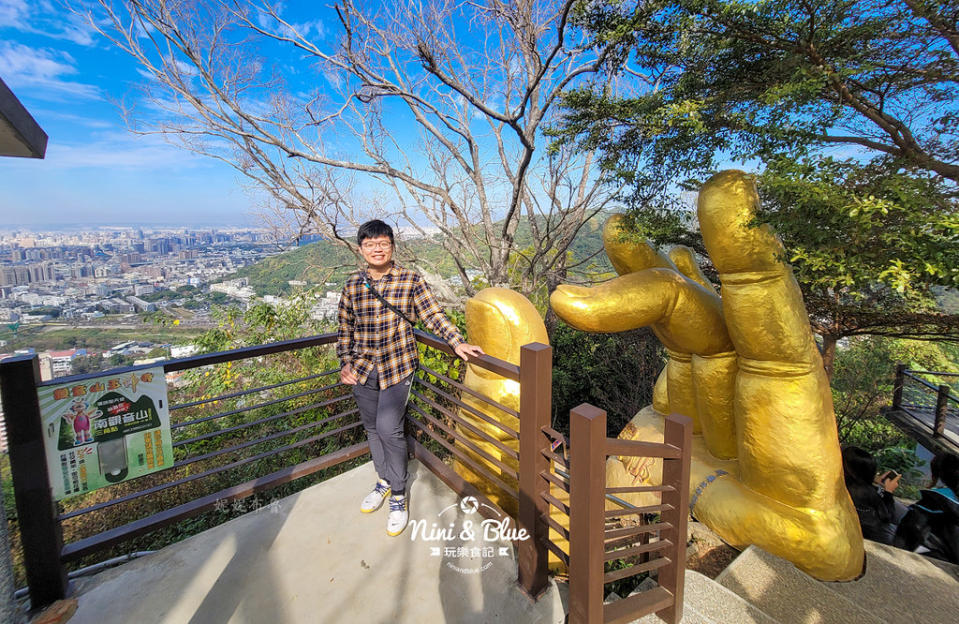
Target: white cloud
{"points": [[43, 18], [123, 150], [14, 13], [303, 29], [43, 72]]}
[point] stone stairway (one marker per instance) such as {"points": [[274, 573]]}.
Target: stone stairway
{"points": [[898, 587]]}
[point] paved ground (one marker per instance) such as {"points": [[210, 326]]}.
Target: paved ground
{"points": [[316, 558]]}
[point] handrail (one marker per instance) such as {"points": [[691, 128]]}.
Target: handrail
{"points": [[932, 387], [490, 363], [207, 359], [938, 373]]}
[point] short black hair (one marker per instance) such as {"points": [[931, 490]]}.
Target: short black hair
{"points": [[945, 467], [373, 229], [858, 465]]}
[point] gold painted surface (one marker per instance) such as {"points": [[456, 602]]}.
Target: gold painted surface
{"points": [[501, 321], [748, 371]]}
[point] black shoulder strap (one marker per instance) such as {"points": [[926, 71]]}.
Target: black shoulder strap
{"points": [[366, 280]]}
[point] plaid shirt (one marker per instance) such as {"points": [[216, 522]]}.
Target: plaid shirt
{"points": [[370, 334]]}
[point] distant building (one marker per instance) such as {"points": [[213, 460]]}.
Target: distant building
{"points": [[141, 305]]}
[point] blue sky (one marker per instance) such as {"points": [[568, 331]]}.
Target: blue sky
{"points": [[97, 172]]}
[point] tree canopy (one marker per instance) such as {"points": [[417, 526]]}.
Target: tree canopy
{"points": [[848, 107]]}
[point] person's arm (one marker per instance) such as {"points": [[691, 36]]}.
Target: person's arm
{"points": [[430, 312], [344, 337]]}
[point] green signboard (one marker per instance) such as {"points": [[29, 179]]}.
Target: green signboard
{"points": [[105, 430]]}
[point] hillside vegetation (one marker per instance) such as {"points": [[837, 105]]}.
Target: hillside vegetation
{"points": [[325, 261]]}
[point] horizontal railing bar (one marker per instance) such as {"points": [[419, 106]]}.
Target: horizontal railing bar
{"points": [[470, 391], [654, 527], [637, 550], [555, 435], [633, 570], [196, 361], [497, 443], [262, 421], [556, 550], [207, 473], [272, 436], [555, 502], [559, 459], [484, 417], [910, 372], [616, 513], [636, 448], [638, 605], [248, 408], [637, 489], [106, 539], [556, 526], [556, 480], [224, 397], [248, 352], [488, 509], [490, 363], [929, 385], [480, 470], [470, 445]]}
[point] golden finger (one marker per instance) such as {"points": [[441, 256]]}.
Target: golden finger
{"points": [[685, 261], [626, 253]]}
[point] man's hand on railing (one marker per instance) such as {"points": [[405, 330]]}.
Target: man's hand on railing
{"points": [[465, 350], [746, 369]]}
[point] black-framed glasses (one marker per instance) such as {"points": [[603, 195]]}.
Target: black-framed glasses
{"points": [[370, 246]]}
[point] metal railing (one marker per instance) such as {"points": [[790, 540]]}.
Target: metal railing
{"points": [[238, 435], [935, 406]]}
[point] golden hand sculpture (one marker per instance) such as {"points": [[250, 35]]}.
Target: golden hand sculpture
{"points": [[501, 321], [767, 468]]}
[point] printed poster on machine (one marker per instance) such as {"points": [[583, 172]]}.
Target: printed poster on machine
{"points": [[102, 431]]}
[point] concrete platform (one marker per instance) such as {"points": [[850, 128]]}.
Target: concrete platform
{"points": [[314, 557]]}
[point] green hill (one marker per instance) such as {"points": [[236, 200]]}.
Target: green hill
{"points": [[323, 261]]}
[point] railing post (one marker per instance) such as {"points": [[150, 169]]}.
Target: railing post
{"points": [[536, 393], [587, 511], [679, 433], [40, 531], [942, 398], [897, 387]]}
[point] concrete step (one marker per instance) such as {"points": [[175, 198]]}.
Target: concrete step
{"points": [[903, 587], [788, 595], [708, 602]]}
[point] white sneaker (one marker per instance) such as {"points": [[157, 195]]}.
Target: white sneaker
{"points": [[399, 516], [375, 498]]}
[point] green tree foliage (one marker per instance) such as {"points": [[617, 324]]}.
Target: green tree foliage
{"points": [[863, 384], [614, 372], [757, 79], [850, 106]]}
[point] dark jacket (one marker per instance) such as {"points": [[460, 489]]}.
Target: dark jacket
{"points": [[876, 511], [932, 522]]}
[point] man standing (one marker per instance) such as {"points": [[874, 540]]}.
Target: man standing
{"points": [[378, 357]]}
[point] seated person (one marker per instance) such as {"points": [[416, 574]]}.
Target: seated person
{"points": [[932, 525], [872, 495]]}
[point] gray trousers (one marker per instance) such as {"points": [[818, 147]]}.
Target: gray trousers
{"points": [[382, 413]]}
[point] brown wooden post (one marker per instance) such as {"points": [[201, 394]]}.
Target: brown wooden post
{"points": [[40, 531], [587, 511], [942, 398], [678, 433], [897, 387], [535, 407]]}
